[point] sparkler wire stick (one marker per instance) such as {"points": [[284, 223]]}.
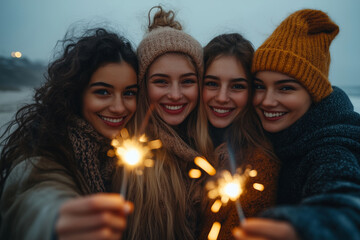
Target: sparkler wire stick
{"points": [[239, 210], [124, 184], [125, 134], [146, 119]]}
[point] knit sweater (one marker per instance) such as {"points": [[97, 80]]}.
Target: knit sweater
{"points": [[251, 200], [319, 183]]}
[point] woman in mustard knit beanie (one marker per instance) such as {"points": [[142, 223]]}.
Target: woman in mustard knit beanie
{"points": [[315, 133], [167, 202]]}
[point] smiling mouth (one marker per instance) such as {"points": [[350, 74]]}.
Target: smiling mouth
{"points": [[173, 109], [273, 115], [221, 112], [113, 122]]}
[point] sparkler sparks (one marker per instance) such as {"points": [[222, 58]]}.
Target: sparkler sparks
{"points": [[227, 187], [214, 232], [133, 154]]}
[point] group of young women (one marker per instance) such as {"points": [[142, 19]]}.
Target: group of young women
{"points": [[273, 109]]}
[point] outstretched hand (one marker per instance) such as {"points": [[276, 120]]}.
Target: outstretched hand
{"points": [[265, 229], [98, 216]]}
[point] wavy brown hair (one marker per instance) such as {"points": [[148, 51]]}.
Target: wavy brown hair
{"points": [[246, 130], [40, 128]]}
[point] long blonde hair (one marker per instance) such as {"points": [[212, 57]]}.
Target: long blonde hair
{"points": [[162, 194]]}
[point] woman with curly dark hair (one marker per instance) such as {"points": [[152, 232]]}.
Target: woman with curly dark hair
{"points": [[54, 166]]}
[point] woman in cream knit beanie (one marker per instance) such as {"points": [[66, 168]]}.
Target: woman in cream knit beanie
{"points": [[314, 131], [168, 203]]}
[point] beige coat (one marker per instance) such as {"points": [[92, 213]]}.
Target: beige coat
{"points": [[32, 197]]}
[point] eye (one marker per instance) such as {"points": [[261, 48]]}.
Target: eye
{"points": [[101, 92], [259, 86], [189, 81], [211, 84], [159, 81], [130, 93], [238, 86], [287, 88]]}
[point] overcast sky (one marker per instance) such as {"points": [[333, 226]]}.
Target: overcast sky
{"points": [[34, 26]]}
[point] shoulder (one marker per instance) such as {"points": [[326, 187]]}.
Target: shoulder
{"points": [[37, 173], [32, 196]]}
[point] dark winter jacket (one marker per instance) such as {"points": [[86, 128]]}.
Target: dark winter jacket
{"points": [[319, 183]]}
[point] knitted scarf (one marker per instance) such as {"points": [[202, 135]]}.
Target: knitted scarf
{"points": [[90, 150], [252, 201]]}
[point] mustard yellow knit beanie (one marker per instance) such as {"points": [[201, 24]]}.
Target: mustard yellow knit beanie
{"points": [[299, 48], [164, 40]]}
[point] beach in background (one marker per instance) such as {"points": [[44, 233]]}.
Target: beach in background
{"points": [[10, 101]]}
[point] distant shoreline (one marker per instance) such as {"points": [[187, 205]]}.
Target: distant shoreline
{"points": [[9, 88]]}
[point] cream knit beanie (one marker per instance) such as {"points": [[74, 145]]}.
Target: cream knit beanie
{"points": [[166, 39]]}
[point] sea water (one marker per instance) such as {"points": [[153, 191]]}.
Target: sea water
{"points": [[11, 101]]}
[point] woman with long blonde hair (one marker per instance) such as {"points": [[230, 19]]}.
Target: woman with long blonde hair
{"points": [[167, 202]]}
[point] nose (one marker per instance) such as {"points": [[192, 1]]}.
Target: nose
{"points": [[222, 95], [269, 99], [175, 92], [117, 105]]}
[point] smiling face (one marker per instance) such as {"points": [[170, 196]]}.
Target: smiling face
{"points": [[225, 92], [172, 87], [279, 100], [109, 101]]}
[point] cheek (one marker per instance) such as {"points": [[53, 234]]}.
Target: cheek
{"points": [[257, 99], [130, 105], [90, 104], [154, 94], [193, 95], [206, 96], [241, 100]]}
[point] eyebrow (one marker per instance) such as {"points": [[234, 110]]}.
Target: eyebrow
{"points": [[102, 84], [232, 80], [132, 86], [165, 75], [280, 81]]}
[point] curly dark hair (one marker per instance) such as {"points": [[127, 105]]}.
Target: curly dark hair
{"points": [[41, 127]]}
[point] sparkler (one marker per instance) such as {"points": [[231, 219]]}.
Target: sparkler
{"points": [[227, 187], [133, 153]]}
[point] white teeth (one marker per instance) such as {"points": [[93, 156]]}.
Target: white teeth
{"points": [[113, 120], [271, 115], [173, 107], [218, 110]]}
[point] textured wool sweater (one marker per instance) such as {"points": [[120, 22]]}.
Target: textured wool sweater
{"points": [[252, 201], [319, 183]]}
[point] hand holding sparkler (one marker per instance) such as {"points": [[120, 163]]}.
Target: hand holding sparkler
{"points": [[83, 217]]}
